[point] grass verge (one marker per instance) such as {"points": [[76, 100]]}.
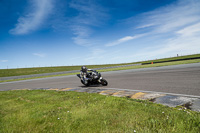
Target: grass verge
{"points": [[117, 69], [52, 111]]}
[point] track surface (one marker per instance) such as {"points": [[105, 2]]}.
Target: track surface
{"points": [[179, 79]]}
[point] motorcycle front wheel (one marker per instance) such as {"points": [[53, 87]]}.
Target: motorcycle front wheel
{"points": [[104, 82], [88, 84]]}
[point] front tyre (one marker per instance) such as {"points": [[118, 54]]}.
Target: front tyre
{"points": [[82, 82], [86, 84], [104, 82]]}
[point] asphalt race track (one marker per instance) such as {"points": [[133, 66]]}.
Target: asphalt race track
{"points": [[179, 79]]}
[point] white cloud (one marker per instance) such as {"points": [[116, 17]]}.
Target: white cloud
{"points": [[144, 26], [182, 20], [94, 55], [97, 51], [82, 34], [191, 30], [171, 17], [168, 31], [90, 15], [124, 39], [127, 38], [31, 21], [163, 20], [185, 41], [176, 28], [178, 45], [40, 54], [3, 60]]}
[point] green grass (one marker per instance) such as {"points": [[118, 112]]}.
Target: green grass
{"points": [[40, 70], [51, 111], [188, 57]]}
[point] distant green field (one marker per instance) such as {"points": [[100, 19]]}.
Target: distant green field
{"points": [[40, 70], [179, 58], [43, 111]]}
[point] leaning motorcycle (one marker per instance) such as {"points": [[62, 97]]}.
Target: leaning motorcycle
{"points": [[93, 78]]}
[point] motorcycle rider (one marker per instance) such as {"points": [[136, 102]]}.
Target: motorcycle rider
{"points": [[84, 74], [92, 77]]}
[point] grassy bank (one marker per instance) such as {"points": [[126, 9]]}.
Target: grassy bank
{"points": [[51, 111], [40, 70], [179, 58]]}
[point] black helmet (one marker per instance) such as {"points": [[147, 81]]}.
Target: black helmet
{"points": [[84, 69]]}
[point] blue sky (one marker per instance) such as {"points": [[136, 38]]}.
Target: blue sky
{"points": [[37, 33]]}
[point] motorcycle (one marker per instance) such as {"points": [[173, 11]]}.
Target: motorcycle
{"points": [[93, 78]]}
